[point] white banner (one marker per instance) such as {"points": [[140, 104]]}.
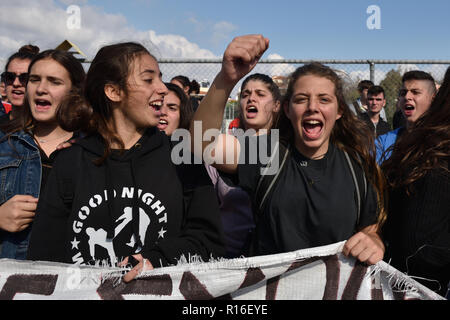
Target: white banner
{"points": [[311, 274]]}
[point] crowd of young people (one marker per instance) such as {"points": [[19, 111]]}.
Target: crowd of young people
{"points": [[115, 194]]}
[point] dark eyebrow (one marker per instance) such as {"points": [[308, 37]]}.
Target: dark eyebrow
{"points": [[55, 78], [152, 72], [49, 77], [256, 90], [148, 71]]}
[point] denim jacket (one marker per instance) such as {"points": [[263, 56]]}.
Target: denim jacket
{"points": [[20, 173]]}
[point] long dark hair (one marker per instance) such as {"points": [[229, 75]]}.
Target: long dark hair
{"points": [[349, 133], [186, 111], [425, 145], [72, 114], [273, 89], [111, 65]]}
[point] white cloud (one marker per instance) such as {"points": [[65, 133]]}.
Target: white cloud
{"points": [[279, 69], [222, 31], [73, 2], [402, 68], [44, 23], [174, 46], [359, 75]]}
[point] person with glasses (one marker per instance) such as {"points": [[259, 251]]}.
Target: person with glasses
{"points": [[15, 76]]}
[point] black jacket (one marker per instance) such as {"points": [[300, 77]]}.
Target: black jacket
{"points": [[381, 128], [417, 230], [135, 202]]}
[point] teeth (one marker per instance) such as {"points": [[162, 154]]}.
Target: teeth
{"points": [[156, 104], [162, 121], [312, 122]]}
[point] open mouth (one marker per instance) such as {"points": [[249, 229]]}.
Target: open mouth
{"points": [[156, 105], [42, 104], [18, 93], [251, 112], [162, 124], [312, 128], [408, 110]]}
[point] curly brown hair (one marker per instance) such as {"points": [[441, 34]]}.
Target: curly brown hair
{"points": [[349, 133], [425, 145]]}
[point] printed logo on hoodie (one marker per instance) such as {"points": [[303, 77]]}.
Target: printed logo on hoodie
{"points": [[91, 235]]}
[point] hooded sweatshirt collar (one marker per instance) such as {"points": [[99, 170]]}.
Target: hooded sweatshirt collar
{"points": [[150, 140]]}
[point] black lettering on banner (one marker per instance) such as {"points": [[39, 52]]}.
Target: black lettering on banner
{"points": [[376, 291], [253, 276], [298, 264], [271, 288], [333, 273], [152, 285], [354, 282], [39, 284], [272, 284], [192, 289]]}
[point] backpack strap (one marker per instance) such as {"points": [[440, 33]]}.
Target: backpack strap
{"points": [[263, 188], [360, 181], [266, 182]]}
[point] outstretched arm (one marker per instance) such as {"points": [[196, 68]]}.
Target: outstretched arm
{"points": [[240, 57]]}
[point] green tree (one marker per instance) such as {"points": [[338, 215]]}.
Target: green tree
{"points": [[391, 84]]}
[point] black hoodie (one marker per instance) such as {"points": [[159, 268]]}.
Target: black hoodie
{"points": [[134, 202]]}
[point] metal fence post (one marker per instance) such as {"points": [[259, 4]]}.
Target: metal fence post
{"points": [[372, 71]]}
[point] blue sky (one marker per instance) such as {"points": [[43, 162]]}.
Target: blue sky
{"points": [[201, 29], [319, 29]]}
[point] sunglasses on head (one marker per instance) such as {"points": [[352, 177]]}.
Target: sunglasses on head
{"points": [[10, 77]]}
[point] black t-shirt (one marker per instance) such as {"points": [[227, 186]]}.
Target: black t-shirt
{"points": [[312, 204], [47, 162]]}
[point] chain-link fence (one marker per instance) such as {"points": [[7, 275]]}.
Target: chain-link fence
{"points": [[387, 73]]}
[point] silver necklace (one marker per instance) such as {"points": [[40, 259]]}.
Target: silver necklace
{"points": [[40, 140]]}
